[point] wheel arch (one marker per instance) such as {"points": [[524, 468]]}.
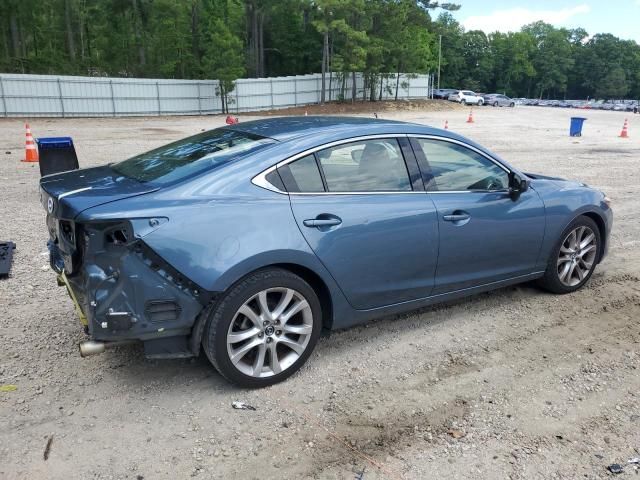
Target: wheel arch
{"points": [[601, 227], [319, 286]]}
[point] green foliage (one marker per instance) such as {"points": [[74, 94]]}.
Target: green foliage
{"points": [[614, 84], [223, 59], [229, 39]]}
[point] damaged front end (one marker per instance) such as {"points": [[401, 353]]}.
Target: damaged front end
{"points": [[123, 290]]}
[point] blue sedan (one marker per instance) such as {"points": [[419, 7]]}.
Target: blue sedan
{"points": [[246, 241]]}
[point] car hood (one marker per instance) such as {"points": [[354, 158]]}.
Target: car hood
{"points": [[558, 182], [67, 194]]}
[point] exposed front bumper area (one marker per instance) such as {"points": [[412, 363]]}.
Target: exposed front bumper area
{"points": [[123, 291]]}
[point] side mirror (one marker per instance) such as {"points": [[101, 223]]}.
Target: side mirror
{"points": [[517, 186]]}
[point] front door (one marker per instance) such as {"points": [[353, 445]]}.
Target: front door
{"points": [[485, 235], [356, 206]]}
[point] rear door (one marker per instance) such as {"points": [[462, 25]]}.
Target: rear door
{"points": [[485, 235], [361, 206]]}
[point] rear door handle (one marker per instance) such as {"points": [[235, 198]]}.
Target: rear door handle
{"points": [[456, 217], [322, 222]]}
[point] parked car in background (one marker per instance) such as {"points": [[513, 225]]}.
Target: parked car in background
{"points": [[466, 97], [244, 242], [498, 100], [443, 93]]}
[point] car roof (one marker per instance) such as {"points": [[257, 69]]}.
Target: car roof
{"points": [[288, 128]]}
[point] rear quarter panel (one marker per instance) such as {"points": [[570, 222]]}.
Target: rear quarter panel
{"points": [[218, 233]]}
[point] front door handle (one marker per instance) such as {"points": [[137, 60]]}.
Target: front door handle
{"points": [[322, 221], [457, 217]]}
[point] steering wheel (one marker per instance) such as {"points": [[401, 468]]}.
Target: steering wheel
{"points": [[494, 183]]}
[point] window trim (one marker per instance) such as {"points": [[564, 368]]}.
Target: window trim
{"points": [[425, 166], [260, 179]]}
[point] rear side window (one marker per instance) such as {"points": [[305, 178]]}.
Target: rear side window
{"points": [[302, 175], [365, 166]]}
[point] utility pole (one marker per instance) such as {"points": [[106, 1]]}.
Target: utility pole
{"points": [[439, 60]]}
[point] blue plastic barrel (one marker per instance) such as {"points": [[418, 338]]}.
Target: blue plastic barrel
{"points": [[576, 126]]}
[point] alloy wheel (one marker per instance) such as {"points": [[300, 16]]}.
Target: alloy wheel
{"points": [[577, 256], [269, 332]]}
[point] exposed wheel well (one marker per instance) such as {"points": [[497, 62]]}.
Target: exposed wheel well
{"points": [[318, 286], [601, 226]]}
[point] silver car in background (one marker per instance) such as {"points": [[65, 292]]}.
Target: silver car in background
{"points": [[498, 100]]}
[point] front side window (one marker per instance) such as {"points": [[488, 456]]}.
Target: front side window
{"points": [[365, 166], [457, 168], [191, 156]]}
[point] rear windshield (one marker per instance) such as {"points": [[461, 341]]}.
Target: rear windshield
{"points": [[190, 156]]}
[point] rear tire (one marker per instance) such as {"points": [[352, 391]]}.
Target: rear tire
{"points": [[463, 101], [252, 337], [574, 257]]}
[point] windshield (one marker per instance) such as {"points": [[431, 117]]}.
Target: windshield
{"points": [[190, 156]]}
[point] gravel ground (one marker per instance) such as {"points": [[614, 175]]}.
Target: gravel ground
{"points": [[514, 384]]}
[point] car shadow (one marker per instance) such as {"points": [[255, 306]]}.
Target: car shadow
{"points": [[131, 367]]}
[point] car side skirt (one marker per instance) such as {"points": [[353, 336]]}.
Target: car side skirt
{"points": [[355, 317]]}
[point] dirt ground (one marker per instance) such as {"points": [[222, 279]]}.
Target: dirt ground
{"points": [[515, 384]]}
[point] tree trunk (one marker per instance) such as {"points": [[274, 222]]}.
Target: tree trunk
{"points": [[365, 84], [69, 28], [88, 36], [254, 48], [380, 96], [343, 87], [138, 29], [222, 97], [330, 66], [195, 39], [397, 81], [261, 44], [372, 88], [82, 17], [5, 43], [142, 58], [325, 59], [353, 87], [15, 34]]}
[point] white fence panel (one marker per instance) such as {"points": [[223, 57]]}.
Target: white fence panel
{"points": [[66, 96]]}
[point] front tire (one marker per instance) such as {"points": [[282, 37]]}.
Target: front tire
{"points": [[263, 329], [574, 257]]}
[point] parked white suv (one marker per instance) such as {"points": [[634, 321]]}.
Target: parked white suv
{"points": [[466, 97]]}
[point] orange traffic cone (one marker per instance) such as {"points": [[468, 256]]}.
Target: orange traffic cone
{"points": [[624, 133], [470, 119], [446, 124], [31, 151]]}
